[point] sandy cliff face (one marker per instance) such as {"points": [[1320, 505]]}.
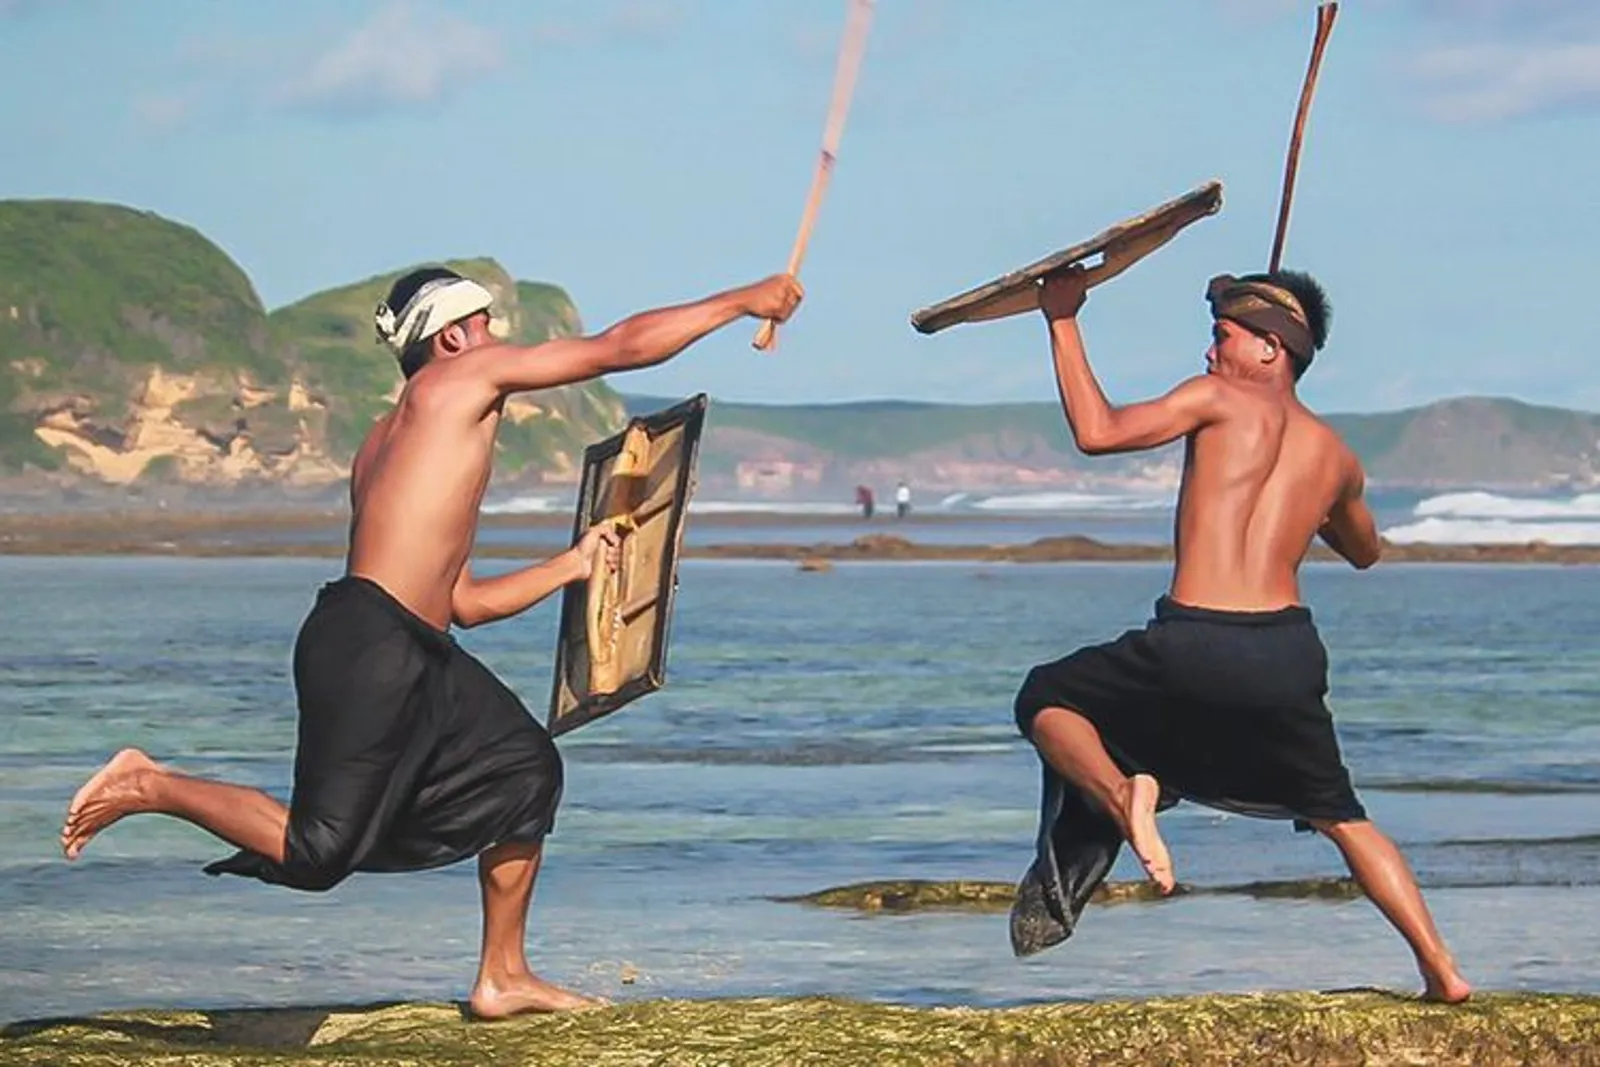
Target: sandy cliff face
{"points": [[135, 352], [165, 434]]}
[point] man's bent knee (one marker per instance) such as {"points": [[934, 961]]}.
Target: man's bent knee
{"points": [[511, 852], [1033, 699], [1052, 717], [1338, 831], [317, 861]]}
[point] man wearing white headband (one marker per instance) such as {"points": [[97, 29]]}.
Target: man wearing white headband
{"points": [[443, 297], [411, 753]]}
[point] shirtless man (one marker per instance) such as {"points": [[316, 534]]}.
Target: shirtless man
{"points": [[410, 753], [1219, 699]]}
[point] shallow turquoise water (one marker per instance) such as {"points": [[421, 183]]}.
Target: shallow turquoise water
{"points": [[816, 729]]}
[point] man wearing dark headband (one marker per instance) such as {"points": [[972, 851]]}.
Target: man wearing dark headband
{"points": [[411, 754], [1219, 699]]}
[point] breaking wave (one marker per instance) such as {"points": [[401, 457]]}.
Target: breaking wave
{"points": [[1065, 501], [537, 505], [770, 507], [526, 505], [1494, 519], [1493, 532], [1479, 505]]}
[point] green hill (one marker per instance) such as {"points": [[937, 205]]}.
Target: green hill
{"points": [[1477, 441], [83, 316], [1466, 441], [134, 350]]}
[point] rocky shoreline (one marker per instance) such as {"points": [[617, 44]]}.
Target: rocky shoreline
{"points": [[989, 897], [320, 534], [1279, 1028]]}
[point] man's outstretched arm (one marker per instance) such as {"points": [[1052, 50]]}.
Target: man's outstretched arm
{"points": [[1350, 529], [475, 601], [641, 340], [1099, 427]]}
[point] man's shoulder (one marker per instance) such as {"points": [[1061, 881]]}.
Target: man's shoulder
{"points": [[376, 433], [1224, 397], [447, 383], [1253, 397], [1327, 439], [1310, 418]]}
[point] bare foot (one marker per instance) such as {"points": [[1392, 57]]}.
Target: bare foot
{"points": [[115, 790], [1143, 794], [526, 994], [1445, 986]]}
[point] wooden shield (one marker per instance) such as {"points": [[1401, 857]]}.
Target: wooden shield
{"points": [[1120, 247], [612, 646]]}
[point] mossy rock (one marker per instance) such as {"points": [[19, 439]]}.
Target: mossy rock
{"points": [[1291, 1028], [986, 897]]}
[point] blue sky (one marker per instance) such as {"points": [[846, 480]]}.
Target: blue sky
{"points": [[642, 152]]}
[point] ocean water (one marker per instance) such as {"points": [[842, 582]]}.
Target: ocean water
{"points": [[1403, 516], [1010, 518], [816, 729]]}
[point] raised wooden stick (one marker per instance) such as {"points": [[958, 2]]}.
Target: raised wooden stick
{"points": [[844, 81], [1326, 13]]}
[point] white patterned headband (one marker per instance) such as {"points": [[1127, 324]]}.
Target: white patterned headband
{"points": [[433, 307]]}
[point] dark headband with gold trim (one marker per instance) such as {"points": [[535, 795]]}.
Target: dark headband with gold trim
{"points": [[1264, 308]]}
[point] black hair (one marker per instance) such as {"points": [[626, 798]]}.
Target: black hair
{"points": [[1313, 299], [415, 356]]}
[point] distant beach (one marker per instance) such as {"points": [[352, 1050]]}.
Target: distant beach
{"points": [[716, 532]]}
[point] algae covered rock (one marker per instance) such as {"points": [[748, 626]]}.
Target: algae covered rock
{"points": [[990, 897], [912, 895], [1297, 1028]]}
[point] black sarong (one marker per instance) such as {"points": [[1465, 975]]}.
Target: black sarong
{"points": [[1224, 708], [410, 754]]}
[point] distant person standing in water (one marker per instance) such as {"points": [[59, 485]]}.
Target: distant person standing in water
{"points": [[902, 500], [865, 501]]}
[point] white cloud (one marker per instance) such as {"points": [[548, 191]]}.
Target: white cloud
{"points": [[406, 54], [163, 112], [1537, 16], [1482, 60], [649, 19], [1262, 10], [637, 20], [1490, 60], [1492, 81]]}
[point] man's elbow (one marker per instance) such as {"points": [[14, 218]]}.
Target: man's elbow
{"points": [[1367, 556], [466, 612], [618, 348], [1094, 441]]}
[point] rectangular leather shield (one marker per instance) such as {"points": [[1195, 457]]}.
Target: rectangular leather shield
{"points": [[1119, 247], [612, 644]]}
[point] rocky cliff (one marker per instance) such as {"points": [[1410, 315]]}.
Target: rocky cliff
{"points": [[134, 351]]}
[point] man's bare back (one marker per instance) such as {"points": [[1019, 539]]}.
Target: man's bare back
{"points": [[1259, 482], [415, 487], [1262, 476]]}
